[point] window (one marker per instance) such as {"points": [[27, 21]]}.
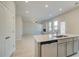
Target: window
{"points": [[55, 25], [50, 26]]}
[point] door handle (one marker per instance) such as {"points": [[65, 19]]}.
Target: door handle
{"points": [[7, 37]]}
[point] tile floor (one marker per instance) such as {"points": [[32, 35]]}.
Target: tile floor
{"points": [[25, 48]]}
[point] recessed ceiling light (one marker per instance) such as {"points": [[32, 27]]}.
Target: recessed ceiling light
{"points": [[26, 1], [46, 6], [60, 9], [27, 12]]}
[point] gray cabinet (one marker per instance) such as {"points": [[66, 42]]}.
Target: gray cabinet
{"points": [[69, 48], [62, 50], [75, 45], [49, 50]]}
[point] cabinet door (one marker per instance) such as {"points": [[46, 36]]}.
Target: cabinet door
{"points": [[62, 50], [49, 50], [69, 48], [75, 45]]}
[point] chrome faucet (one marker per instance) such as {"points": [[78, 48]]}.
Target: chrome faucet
{"points": [[56, 32]]}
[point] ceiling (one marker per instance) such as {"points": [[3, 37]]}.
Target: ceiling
{"points": [[37, 11]]}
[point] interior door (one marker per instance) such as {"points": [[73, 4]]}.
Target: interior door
{"points": [[10, 31], [7, 31], [2, 30]]}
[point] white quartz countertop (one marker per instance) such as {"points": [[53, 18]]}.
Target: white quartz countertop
{"points": [[49, 37]]}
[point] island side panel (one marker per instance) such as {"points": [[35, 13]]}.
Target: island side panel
{"points": [[37, 49]]}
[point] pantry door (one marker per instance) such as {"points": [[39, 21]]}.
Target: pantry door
{"points": [[7, 31], [2, 30]]}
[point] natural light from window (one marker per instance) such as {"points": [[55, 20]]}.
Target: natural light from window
{"points": [[50, 26], [55, 25]]}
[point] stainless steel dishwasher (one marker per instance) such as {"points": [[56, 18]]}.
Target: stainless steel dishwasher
{"points": [[49, 49]]}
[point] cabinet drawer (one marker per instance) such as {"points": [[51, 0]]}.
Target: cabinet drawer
{"points": [[69, 48], [75, 38], [62, 50], [61, 40], [70, 39]]}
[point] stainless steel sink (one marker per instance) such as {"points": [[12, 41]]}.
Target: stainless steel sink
{"points": [[61, 36]]}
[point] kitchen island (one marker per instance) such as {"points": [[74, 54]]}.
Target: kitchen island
{"points": [[56, 46]]}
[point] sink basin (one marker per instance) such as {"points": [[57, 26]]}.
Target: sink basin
{"points": [[61, 36]]}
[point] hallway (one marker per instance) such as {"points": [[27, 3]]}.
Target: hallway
{"points": [[25, 47]]}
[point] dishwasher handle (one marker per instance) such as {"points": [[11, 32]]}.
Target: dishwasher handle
{"points": [[49, 42]]}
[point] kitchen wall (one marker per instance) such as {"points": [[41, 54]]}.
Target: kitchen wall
{"points": [[46, 26], [72, 21], [19, 27], [30, 28]]}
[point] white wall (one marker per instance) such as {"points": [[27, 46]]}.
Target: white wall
{"points": [[30, 28], [19, 27], [72, 21]]}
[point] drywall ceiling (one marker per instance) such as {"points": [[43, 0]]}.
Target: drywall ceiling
{"points": [[42, 10]]}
